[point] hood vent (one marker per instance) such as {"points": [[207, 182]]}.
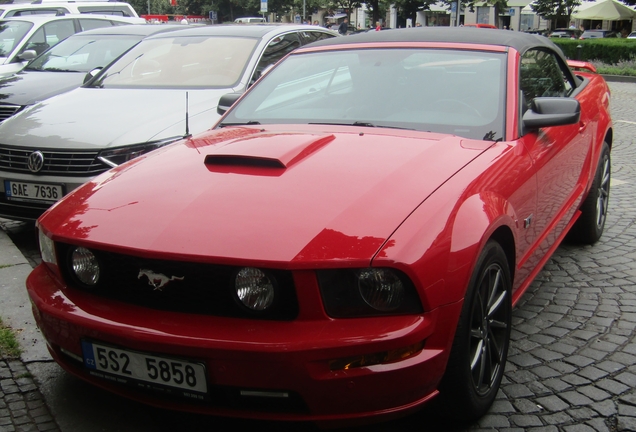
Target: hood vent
{"points": [[244, 161], [265, 151]]}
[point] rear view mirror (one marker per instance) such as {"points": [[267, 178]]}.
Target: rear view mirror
{"points": [[551, 111], [226, 102], [91, 74], [28, 55]]}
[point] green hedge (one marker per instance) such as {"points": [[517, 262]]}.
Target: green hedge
{"points": [[610, 50]]}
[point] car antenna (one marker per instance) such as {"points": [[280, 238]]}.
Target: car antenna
{"points": [[187, 131]]}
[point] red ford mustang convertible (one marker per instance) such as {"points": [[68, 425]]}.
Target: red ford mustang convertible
{"points": [[347, 242]]}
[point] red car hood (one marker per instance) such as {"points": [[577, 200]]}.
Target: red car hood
{"points": [[296, 197]]}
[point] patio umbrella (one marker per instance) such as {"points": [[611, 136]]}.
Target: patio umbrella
{"points": [[606, 10]]}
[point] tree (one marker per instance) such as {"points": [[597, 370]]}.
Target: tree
{"points": [[409, 8], [470, 5], [555, 9]]}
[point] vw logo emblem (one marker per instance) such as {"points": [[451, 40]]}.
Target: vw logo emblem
{"points": [[35, 161]]}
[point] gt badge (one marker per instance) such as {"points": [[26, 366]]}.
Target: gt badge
{"points": [[157, 280]]}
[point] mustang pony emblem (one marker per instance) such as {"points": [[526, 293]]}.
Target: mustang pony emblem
{"points": [[157, 280]]}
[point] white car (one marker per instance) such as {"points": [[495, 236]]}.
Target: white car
{"points": [[24, 38], [166, 87], [71, 7]]}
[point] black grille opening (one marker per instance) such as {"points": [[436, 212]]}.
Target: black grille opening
{"points": [[196, 288]]}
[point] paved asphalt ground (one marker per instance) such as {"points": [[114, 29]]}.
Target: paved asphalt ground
{"points": [[572, 360]]}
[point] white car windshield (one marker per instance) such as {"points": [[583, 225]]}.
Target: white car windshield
{"points": [[83, 53], [11, 33], [446, 91], [193, 61]]}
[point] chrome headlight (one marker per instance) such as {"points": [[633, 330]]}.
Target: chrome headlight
{"points": [[254, 289], [47, 248], [117, 156], [381, 289], [371, 291], [85, 266]]}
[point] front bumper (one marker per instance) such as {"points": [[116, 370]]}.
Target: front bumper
{"points": [[246, 360]]}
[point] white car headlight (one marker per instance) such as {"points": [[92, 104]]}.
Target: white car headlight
{"points": [[117, 156]]}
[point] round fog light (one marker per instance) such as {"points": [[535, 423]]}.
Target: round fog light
{"points": [[254, 289], [381, 289], [85, 266]]}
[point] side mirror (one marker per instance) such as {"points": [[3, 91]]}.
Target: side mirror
{"points": [[27, 55], [551, 111], [226, 102], [91, 74]]}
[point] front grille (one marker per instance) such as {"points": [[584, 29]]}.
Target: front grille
{"points": [[7, 111], [56, 162], [194, 287]]}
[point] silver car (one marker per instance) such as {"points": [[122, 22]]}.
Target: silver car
{"points": [[163, 89]]}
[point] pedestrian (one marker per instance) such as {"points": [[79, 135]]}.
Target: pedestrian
{"points": [[378, 26], [344, 26]]}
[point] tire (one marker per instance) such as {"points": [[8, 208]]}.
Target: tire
{"points": [[588, 229], [480, 348]]}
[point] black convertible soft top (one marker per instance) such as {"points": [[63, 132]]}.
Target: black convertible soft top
{"points": [[518, 40]]}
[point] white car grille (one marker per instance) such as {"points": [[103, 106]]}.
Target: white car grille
{"points": [[56, 162]]}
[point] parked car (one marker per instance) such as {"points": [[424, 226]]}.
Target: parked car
{"points": [[69, 64], [488, 26], [24, 38], [632, 35], [594, 34], [312, 260], [566, 33], [164, 88], [70, 7], [249, 20]]}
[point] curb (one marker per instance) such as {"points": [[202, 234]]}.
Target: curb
{"points": [[620, 78]]}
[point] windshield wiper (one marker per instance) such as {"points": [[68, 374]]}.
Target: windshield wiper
{"points": [[57, 70], [363, 124], [239, 124]]}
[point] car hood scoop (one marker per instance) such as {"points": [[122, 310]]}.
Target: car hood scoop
{"points": [[265, 150]]}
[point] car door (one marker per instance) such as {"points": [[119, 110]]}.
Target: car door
{"points": [[49, 35], [277, 48], [90, 23], [558, 153], [309, 36]]}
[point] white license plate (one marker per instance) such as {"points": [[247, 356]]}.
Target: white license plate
{"points": [[164, 371], [25, 191]]}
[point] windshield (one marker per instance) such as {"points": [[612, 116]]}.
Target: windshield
{"points": [[11, 33], [83, 53], [446, 91], [181, 62]]}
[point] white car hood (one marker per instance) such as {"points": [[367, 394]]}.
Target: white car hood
{"points": [[87, 118]]}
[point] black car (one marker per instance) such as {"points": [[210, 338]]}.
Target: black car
{"points": [[68, 64]]}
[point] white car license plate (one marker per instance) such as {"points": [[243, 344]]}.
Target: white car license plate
{"points": [[25, 191], [164, 371]]}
